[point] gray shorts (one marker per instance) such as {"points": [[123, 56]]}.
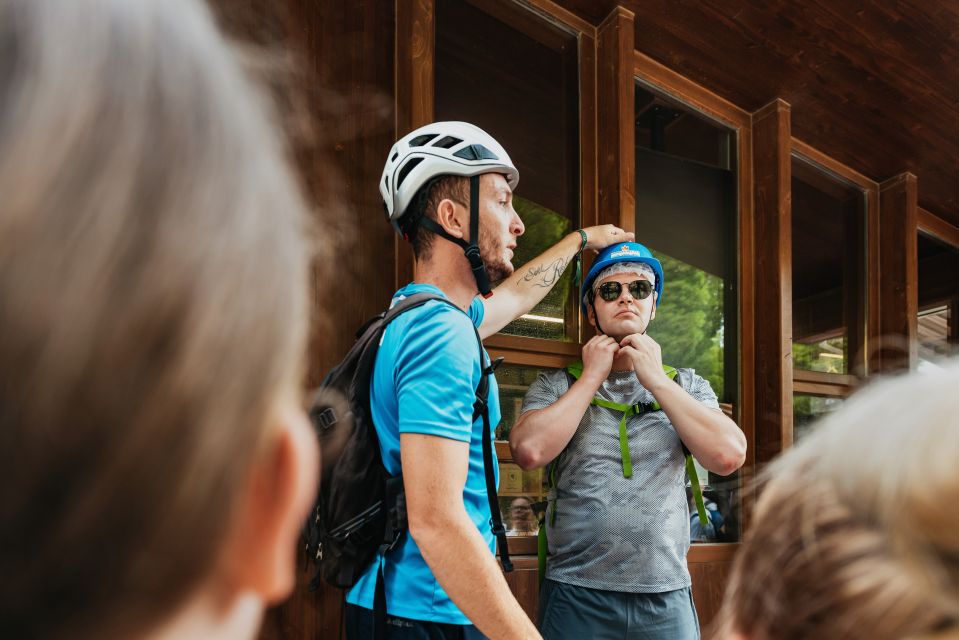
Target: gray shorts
{"points": [[567, 611]]}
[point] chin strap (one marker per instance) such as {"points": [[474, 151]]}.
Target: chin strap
{"points": [[471, 248]]}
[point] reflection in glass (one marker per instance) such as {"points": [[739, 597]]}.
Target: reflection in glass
{"points": [[523, 88], [828, 240], [937, 328], [686, 194], [689, 327], [808, 409], [544, 228], [515, 485]]}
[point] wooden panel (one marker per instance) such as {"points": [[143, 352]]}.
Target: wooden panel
{"points": [[937, 227], [415, 44], [709, 584], [898, 271], [533, 345], [873, 84], [819, 377], [340, 151], [523, 581], [688, 92], [587, 131], [773, 280], [559, 14], [616, 133], [306, 614]]}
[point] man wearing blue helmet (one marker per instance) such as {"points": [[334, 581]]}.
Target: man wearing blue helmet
{"points": [[614, 431]]}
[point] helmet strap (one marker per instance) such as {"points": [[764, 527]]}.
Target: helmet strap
{"points": [[473, 251], [470, 249]]}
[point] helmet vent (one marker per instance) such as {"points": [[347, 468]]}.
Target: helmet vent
{"points": [[405, 171], [395, 156], [447, 142], [475, 152], [419, 141]]}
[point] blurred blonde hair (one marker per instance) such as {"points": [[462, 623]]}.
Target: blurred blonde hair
{"points": [[856, 533], [153, 306]]}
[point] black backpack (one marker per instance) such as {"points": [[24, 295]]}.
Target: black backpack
{"points": [[361, 510]]}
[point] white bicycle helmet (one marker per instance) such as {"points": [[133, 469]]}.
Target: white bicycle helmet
{"points": [[440, 148]]}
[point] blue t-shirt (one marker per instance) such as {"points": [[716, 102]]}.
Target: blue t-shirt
{"points": [[424, 381]]}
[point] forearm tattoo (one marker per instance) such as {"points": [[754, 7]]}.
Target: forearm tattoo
{"points": [[545, 275]]}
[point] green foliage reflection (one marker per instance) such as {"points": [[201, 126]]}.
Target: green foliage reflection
{"points": [[689, 323]]}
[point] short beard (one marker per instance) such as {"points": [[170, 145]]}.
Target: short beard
{"points": [[497, 268]]}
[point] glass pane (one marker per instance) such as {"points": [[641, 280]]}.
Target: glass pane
{"points": [[808, 409], [689, 325], [522, 494], [544, 228], [516, 75], [686, 214], [938, 301], [828, 239]]}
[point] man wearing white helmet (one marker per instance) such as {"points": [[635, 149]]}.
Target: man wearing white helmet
{"points": [[448, 189], [614, 430]]}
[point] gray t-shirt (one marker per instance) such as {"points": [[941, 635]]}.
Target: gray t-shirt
{"points": [[611, 532]]}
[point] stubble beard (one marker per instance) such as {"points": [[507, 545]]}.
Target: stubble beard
{"points": [[493, 254]]}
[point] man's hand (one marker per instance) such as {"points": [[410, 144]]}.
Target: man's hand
{"points": [[598, 355], [602, 236], [530, 283], [646, 358]]}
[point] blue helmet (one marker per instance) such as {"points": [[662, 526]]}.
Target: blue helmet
{"points": [[622, 252]]}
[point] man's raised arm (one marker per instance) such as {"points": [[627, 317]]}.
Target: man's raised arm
{"points": [[530, 283]]}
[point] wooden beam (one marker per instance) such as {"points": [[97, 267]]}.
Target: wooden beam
{"points": [[616, 134], [938, 228], [898, 272], [938, 279], [414, 85], [773, 280]]}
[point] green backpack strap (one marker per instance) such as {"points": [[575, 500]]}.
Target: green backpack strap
{"points": [[576, 370]]}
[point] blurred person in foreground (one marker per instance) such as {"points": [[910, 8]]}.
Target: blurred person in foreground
{"points": [[856, 532], [153, 308]]}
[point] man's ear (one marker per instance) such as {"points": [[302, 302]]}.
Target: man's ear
{"points": [[591, 315], [653, 313], [452, 219], [260, 554]]}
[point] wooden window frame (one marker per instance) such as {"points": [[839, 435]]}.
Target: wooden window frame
{"points": [[738, 122], [861, 337], [935, 227]]}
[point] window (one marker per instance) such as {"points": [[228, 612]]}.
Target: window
{"points": [[937, 329], [828, 241], [522, 494], [808, 409], [828, 290], [686, 198], [522, 87]]}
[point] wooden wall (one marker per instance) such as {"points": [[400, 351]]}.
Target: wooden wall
{"points": [[352, 76]]}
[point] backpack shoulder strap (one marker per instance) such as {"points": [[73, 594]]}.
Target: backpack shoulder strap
{"points": [[480, 409]]}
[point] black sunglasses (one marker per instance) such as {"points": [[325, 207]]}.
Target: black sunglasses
{"points": [[639, 289]]}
